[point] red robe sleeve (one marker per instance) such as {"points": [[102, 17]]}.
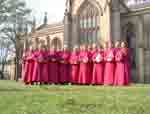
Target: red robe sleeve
{"points": [[74, 58], [110, 56], [98, 57], [84, 58], [119, 56]]}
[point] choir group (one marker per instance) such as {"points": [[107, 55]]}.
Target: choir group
{"points": [[86, 65]]}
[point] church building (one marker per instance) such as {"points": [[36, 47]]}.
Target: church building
{"points": [[98, 21]]}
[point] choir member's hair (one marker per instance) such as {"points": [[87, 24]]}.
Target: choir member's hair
{"points": [[100, 46], [75, 48], [124, 44], [84, 47], [105, 45], [89, 46], [94, 46], [80, 47], [31, 48], [110, 44], [65, 47], [117, 44]]}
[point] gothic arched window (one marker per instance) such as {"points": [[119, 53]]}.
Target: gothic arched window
{"points": [[89, 24], [56, 43]]}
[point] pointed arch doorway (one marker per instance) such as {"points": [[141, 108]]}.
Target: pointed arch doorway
{"points": [[130, 36]]}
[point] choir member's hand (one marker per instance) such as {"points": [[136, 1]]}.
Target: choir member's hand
{"points": [[98, 60], [53, 60], [75, 62], [62, 62], [40, 60], [85, 61], [109, 59]]}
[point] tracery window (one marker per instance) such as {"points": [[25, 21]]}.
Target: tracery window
{"points": [[89, 24], [136, 2]]}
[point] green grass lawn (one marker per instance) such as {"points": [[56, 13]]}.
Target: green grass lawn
{"points": [[16, 98]]}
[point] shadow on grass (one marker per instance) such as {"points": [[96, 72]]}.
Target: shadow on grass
{"points": [[71, 105], [13, 90]]}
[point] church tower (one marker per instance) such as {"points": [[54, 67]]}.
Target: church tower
{"points": [[67, 23]]}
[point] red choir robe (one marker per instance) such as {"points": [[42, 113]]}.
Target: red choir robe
{"points": [[90, 66], [83, 72], [53, 67], [119, 69], [74, 70], [40, 73], [36, 75], [126, 56], [29, 67], [64, 68], [98, 68], [109, 66], [59, 64]]}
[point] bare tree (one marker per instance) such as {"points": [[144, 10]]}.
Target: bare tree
{"points": [[15, 24], [5, 49]]}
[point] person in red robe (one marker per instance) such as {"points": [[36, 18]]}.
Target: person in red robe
{"points": [[40, 73], [83, 72], [105, 46], [109, 65], [36, 78], [29, 66], [117, 46], [94, 48], [126, 60], [74, 61], [98, 68], [64, 67], [119, 68], [53, 66], [90, 64], [44, 75]]}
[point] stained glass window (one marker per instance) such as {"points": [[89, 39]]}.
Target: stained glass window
{"points": [[89, 30]]}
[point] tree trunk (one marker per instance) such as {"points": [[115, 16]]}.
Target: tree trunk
{"points": [[2, 71], [17, 67], [17, 63]]}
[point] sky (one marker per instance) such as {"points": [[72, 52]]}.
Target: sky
{"points": [[54, 8]]}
